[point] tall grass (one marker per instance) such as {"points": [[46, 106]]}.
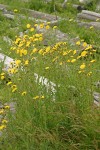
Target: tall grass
{"points": [[52, 87]]}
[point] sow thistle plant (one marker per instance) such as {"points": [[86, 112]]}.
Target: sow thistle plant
{"points": [[3, 120], [29, 48]]}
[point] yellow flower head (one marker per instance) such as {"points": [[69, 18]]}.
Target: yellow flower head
{"points": [[92, 61], [1, 111], [91, 27], [32, 29], [84, 53], [78, 43], [2, 74], [28, 26], [82, 66], [41, 25], [89, 74], [84, 44], [74, 52], [47, 27], [42, 97], [2, 77], [24, 93], [55, 27], [4, 121], [15, 10], [7, 107], [17, 62], [9, 83], [73, 60], [46, 68], [36, 97], [13, 90], [26, 62], [2, 127]]}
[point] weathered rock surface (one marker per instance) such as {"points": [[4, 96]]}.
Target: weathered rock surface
{"points": [[96, 96], [89, 24], [41, 15], [88, 15]]}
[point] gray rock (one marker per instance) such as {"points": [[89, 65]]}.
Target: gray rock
{"points": [[9, 16], [97, 84], [89, 24], [7, 39], [96, 96], [2, 7]]}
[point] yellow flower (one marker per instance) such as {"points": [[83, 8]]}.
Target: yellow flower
{"points": [[47, 27], [78, 57], [28, 26], [70, 20], [48, 49], [36, 97], [7, 107], [46, 68], [60, 63], [73, 60], [16, 42], [65, 53], [92, 61], [55, 27], [55, 59], [32, 29], [17, 62], [2, 127], [12, 70], [78, 43], [25, 52], [13, 86], [94, 50], [9, 83], [91, 27], [13, 90], [41, 25], [89, 47], [28, 44], [88, 74], [24, 93], [2, 77], [83, 53], [68, 60], [15, 10], [26, 62], [2, 74], [48, 22], [41, 51], [34, 50], [42, 97], [40, 38], [84, 44], [82, 66], [1, 111], [4, 121], [74, 52], [35, 25], [80, 72]]}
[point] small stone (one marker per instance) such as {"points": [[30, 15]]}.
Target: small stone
{"points": [[96, 96], [9, 16]]}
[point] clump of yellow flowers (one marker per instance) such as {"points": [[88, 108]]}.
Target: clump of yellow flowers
{"points": [[29, 49], [3, 120]]}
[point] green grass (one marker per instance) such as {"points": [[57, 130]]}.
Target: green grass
{"points": [[46, 120]]}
